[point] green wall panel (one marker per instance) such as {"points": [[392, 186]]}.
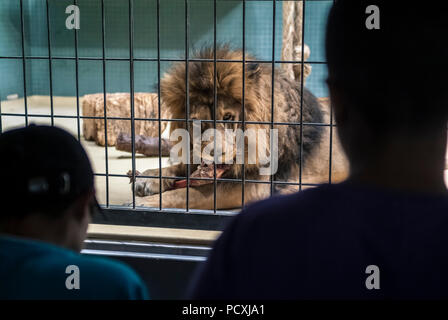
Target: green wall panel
{"points": [[259, 25]]}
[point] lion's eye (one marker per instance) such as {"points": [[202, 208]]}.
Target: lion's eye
{"points": [[228, 116]]}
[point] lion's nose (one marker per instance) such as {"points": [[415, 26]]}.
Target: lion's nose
{"points": [[140, 189], [208, 157]]}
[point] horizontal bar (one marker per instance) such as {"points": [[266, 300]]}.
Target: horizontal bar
{"points": [[165, 218], [168, 120], [155, 256], [236, 180], [145, 246], [152, 234], [161, 59]]}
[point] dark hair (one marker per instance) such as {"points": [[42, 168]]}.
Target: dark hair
{"points": [[395, 76], [43, 170]]}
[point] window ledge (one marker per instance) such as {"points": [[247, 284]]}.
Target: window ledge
{"points": [[150, 234]]}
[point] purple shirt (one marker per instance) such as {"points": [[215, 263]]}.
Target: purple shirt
{"points": [[319, 244]]}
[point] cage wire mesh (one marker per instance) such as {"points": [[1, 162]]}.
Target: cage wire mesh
{"points": [[126, 46]]}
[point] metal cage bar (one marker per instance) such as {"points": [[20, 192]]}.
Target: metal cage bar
{"points": [[50, 63], [236, 180], [243, 104], [274, 5], [187, 97], [131, 92], [158, 104], [103, 47], [1, 120], [188, 212], [301, 96], [330, 166], [75, 2], [22, 34], [214, 105], [168, 120], [162, 59]]}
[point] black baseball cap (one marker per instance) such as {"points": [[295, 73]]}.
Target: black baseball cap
{"points": [[42, 169]]}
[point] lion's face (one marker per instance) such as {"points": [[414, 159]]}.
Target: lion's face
{"points": [[233, 145], [228, 113], [228, 87]]}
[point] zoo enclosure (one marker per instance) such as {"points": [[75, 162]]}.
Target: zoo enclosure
{"points": [[38, 44]]}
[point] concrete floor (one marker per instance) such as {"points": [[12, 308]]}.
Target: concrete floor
{"points": [[118, 162]]}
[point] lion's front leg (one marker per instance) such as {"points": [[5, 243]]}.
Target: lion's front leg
{"points": [[170, 199], [149, 186], [198, 198], [228, 196]]}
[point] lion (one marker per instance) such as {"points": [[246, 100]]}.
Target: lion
{"points": [[303, 151]]}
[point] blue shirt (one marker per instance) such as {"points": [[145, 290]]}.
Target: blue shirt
{"points": [[37, 270], [332, 242]]}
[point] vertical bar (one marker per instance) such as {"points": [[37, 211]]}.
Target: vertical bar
{"points": [[103, 42], [77, 79], [50, 64], [158, 104], [187, 94], [274, 3], [243, 119], [301, 96], [22, 31], [331, 144], [131, 89], [331, 139], [214, 106], [1, 128]]}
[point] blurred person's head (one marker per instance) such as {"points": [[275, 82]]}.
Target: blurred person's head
{"points": [[46, 186], [388, 85]]}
